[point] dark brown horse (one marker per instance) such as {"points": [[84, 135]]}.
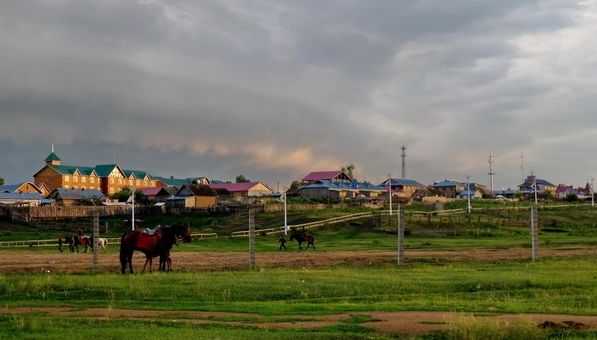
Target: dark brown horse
{"points": [[302, 237], [158, 244]]}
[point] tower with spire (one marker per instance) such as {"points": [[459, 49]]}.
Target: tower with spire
{"points": [[53, 158]]}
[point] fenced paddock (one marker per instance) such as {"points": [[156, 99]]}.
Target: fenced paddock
{"points": [[111, 240]]}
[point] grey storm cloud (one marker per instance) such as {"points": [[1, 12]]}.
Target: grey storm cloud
{"points": [[275, 89]]}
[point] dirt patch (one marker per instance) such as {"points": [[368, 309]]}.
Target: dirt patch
{"points": [[409, 323], [24, 261]]}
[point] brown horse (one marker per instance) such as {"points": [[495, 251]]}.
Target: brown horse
{"points": [[152, 246], [302, 237]]}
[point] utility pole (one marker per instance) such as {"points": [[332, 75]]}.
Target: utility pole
{"points": [[491, 172], [403, 148], [133, 210], [468, 195], [535, 188], [390, 195], [521, 168], [401, 226], [592, 192], [534, 232], [285, 214]]}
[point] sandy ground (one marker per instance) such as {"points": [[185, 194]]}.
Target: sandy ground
{"points": [[391, 323], [25, 261]]}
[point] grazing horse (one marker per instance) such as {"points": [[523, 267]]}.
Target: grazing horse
{"points": [[152, 246], [102, 242], [301, 237], [73, 243], [87, 242]]}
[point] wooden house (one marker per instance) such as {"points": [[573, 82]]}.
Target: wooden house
{"points": [[108, 178], [71, 197], [242, 190], [329, 176], [157, 194], [192, 196]]}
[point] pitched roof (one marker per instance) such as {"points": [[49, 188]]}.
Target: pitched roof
{"points": [[23, 196], [52, 157], [236, 187], [396, 182], [177, 182], [103, 170], [198, 190], [331, 185], [138, 173], [322, 175], [76, 194], [447, 183], [153, 191], [10, 187]]}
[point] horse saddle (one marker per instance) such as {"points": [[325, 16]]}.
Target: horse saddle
{"points": [[150, 232]]}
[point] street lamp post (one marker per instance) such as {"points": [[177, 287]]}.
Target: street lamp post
{"points": [[535, 188], [390, 194], [133, 211]]}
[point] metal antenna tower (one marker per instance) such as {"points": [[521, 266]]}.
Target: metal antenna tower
{"points": [[491, 172], [403, 148]]}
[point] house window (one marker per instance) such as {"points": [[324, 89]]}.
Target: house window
{"points": [[75, 179], [111, 180], [138, 182], [67, 178], [83, 179]]}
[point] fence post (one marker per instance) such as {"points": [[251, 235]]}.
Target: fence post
{"points": [[251, 238], [401, 226], [534, 232], [95, 229]]}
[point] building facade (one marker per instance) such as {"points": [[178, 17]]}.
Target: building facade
{"points": [[107, 178]]}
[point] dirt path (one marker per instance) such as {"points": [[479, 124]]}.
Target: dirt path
{"points": [[391, 323], [25, 261]]}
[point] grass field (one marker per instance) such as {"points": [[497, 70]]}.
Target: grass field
{"points": [[321, 302]]}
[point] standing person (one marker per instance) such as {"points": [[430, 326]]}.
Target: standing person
{"points": [[282, 243]]}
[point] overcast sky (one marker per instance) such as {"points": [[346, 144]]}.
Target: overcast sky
{"points": [[274, 89]]}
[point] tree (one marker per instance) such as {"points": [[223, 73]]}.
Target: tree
{"points": [[348, 170], [572, 197], [241, 179], [1, 181]]}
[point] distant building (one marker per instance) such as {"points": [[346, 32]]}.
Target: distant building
{"points": [[157, 194], [330, 176], [70, 197], [449, 188], [107, 178], [31, 199], [192, 196], [336, 191], [543, 186], [20, 188], [242, 190], [404, 188]]}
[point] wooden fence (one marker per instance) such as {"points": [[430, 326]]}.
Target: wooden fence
{"points": [[54, 213]]}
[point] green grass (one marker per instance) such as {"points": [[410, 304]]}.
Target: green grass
{"points": [[512, 288], [75, 328]]}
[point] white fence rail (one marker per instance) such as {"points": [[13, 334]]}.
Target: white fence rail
{"points": [[111, 240]]}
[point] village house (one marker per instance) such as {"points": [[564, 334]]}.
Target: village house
{"points": [[336, 191], [30, 199], [564, 191], [108, 178], [543, 186], [157, 194], [193, 196], [241, 190], [404, 188], [20, 188], [449, 188], [330, 176], [72, 197]]}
